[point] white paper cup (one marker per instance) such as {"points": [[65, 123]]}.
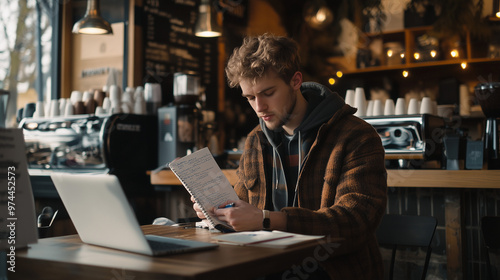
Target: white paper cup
{"points": [[76, 96], [99, 111], [389, 107], [62, 105], [39, 109], [378, 109], [360, 102], [54, 108], [139, 93], [140, 107], [115, 109], [426, 106], [349, 97], [126, 108], [106, 104], [69, 110], [413, 107], [128, 96], [400, 108], [87, 95], [114, 93], [369, 108]]}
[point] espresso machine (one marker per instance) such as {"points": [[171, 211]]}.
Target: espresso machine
{"points": [[488, 96], [120, 144], [410, 141], [178, 124]]}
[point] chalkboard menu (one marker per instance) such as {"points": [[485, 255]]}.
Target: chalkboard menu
{"points": [[170, 46]]}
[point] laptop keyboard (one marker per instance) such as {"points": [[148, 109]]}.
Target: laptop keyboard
{"points": [[165, 246]]}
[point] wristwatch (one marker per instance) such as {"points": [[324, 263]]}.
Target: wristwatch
{"points": [[266, 222]]}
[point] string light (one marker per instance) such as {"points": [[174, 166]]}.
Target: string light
{"points": [[406, 73], [339, 74], [331, 81]]}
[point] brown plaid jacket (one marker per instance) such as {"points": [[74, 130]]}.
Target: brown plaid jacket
{"points": [[342, 193]]}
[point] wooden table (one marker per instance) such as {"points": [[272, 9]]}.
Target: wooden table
{"points": [[451, 180], [68, 258]]}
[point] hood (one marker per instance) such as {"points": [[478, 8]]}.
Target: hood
{"points": [[322, 105]]}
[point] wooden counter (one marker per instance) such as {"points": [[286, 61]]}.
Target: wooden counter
{"points": [[414, 178]]}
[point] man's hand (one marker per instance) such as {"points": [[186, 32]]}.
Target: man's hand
{"points": [[242, 216], [197, 209]]}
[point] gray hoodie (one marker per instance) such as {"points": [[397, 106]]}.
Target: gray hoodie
{"points": [[322, 105]]}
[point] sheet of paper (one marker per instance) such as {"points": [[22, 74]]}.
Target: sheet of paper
{"points": [[252, 237], [273, 239], [288, 242]]}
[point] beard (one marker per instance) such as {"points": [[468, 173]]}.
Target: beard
{"points": [[287, 113]]}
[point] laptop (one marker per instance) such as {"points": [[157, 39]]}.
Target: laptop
{"points": [[103, 216]]}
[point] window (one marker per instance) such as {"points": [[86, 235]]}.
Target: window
{"points": [[26, 46]]}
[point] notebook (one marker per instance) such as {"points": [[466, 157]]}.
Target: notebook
{"points": [[103, 216], [204, 180]]}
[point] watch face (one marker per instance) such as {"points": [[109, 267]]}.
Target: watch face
{"points": [[266, 223]]}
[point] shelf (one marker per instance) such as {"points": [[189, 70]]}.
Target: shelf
{"points": [[420, 65], [407, 38]]}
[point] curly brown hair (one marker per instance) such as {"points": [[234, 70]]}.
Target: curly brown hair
{"points": [[257, 55]]}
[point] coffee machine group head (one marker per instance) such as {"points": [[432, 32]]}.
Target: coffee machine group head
{"points": [[488, 96]]}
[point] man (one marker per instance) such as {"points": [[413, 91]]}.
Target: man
{"points": [[310, 167]]}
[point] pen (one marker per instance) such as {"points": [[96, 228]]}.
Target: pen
{"points": [[228, 205]]}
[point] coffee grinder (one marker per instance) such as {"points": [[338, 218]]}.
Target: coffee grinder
{"points": [[179, 123], [488, 96]]}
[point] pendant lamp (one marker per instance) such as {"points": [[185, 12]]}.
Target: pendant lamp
{"points": [[206, 25], [92, 22]]}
